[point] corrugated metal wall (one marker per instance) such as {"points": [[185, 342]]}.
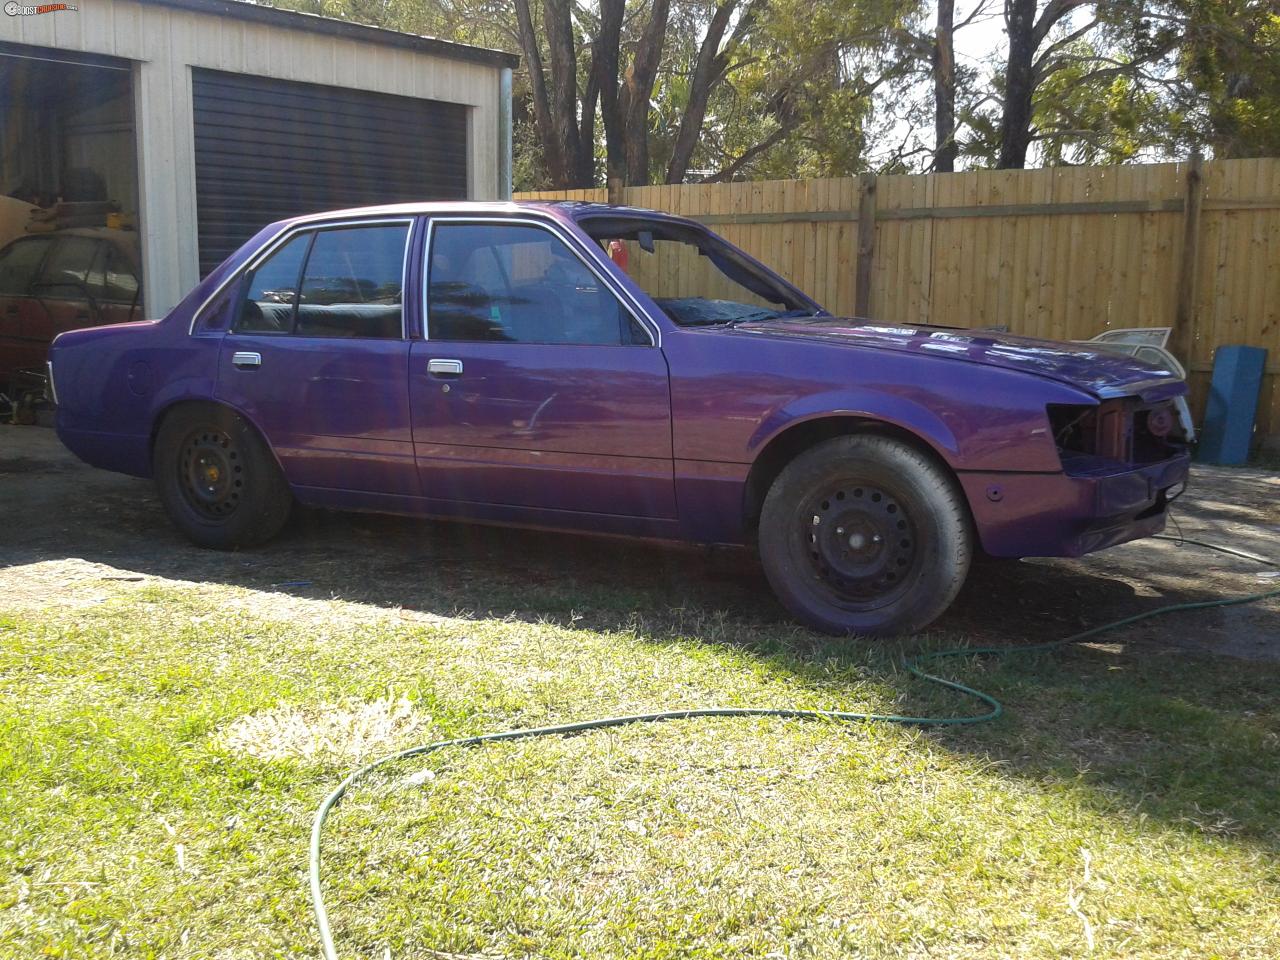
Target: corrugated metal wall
{"points": [[270, 149]]}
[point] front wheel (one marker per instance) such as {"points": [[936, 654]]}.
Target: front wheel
{"points": [[864, 534], [218, 480]]}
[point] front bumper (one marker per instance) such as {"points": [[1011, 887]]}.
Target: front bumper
{"points": [[1068, 515]]}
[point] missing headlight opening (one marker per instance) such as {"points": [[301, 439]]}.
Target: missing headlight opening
{"points": [[1123, 430]]}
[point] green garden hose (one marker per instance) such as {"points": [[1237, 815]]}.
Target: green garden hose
{"points": [[912, 665]]}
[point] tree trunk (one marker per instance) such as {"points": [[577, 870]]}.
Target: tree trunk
{"points": [[1015, 124], [586, 166], [563, 62], [605, 67], [944, 89], [637, 92], [541, 103], [709, 68]]}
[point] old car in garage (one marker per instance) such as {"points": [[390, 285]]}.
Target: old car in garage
{"points": [[618, 371], [58, 281]]}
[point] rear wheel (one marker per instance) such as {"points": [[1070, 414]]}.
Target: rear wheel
{"points": [[218, 480], [865, 534]]}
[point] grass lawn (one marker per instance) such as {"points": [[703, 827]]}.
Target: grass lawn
{"points": [[163, 751]]}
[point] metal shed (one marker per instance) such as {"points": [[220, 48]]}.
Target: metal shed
{"points": [[195, 122]]}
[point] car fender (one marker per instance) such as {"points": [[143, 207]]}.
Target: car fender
{"points": [[894, 410], [197, 390]]}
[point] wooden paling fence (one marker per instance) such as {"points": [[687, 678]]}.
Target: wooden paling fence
{"points": [[1063, 253]]}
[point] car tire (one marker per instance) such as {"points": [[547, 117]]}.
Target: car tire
{"points": [[865, 534], [218, 480]]}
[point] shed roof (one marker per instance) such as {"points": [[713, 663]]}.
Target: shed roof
{"points": [[293, 20]]}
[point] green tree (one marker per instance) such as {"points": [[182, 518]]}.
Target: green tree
{"points": [[1229, 65]]}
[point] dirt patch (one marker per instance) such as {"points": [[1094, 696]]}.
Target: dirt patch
{"points": [[74, 536]]}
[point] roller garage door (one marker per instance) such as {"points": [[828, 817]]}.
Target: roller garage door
{"points": [[268, 149]]}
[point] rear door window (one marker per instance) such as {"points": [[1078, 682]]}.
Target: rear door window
{"points": [[353, 283], [342, 282], [120, 281]]}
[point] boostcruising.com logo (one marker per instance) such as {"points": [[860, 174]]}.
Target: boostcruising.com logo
{"points": [[14, 9]]}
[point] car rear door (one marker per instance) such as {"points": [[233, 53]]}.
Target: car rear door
{"points": [[113, 283], [535, 386], [317, 357]]}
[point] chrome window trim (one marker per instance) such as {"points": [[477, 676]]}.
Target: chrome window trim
{"points": [[309, 226], [625, 300]]}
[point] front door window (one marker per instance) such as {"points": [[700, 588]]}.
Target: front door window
{"points": [[518, 283]]}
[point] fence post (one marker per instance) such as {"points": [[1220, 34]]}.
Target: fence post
{"points": [[1184, 320], [866, 244]]}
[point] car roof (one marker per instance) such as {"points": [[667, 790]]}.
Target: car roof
{"points": [[560, 209]]}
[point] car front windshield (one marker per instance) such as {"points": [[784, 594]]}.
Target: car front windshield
{"points": [[694, 276]]}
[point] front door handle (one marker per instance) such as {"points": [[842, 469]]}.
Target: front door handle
{"points": [[246, 359], [444, 368]]}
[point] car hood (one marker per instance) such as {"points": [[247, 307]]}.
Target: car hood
{"points": [[1104, 374]]}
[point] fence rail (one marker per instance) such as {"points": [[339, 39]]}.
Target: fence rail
{"points": [[1063, 253]]}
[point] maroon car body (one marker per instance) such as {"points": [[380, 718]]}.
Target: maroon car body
{"points": [[63, 280]]}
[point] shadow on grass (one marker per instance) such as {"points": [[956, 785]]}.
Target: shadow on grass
{"points": [[1142, 727]]}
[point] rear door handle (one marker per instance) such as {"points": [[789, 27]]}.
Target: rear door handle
{"points": [[246, 359], [444, 368]]}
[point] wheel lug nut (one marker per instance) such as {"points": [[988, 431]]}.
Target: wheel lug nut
{"points": [[839, 531]]}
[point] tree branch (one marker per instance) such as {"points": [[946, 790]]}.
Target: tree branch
{"points": [[1049, 17], [782, 131]]}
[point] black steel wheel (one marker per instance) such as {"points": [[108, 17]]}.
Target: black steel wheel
{"points": [[210, 474], [862, 544], [865, 534], [218, 479]]}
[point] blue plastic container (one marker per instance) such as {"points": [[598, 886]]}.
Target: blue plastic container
{"points": [[1233, 403]]}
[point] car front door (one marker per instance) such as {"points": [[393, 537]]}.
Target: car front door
{"points": [[61, 299], [20, 265], [316, 357], [535, 386]]}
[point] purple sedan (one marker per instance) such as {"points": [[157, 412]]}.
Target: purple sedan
{"points": [[606, 369]]}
